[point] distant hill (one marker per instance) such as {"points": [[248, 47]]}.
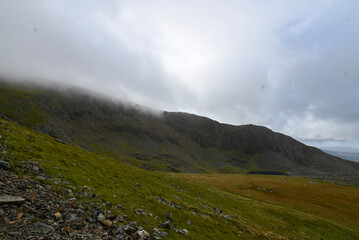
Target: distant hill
{"points": [[352, 156], [341, 149], [163, 141]]}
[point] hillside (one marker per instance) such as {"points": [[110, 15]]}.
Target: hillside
{"points": [[71, 193], [164, 141]]}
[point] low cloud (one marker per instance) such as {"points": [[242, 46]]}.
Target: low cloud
{"points": [[291, 66]]}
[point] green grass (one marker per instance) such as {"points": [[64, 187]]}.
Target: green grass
{"points": [[115, 181]]}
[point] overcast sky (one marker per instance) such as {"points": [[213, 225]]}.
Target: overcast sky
{"points": [[292, 66]]}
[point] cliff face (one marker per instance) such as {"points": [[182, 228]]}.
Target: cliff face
{"points": [[163, 141]]}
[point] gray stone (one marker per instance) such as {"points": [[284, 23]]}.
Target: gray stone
{"points": [[183, 231], [140, 212], [121, 206], [133, 224], [14, 234], [101, 218], [168, 203], [90, 219], [71, 217], [143, 234], [7, 199], [166, 225], [4, 165], [158, 233], [126, 228], [168, 215], [6, 220], [120, 230], [60, 141], [44, 227]]}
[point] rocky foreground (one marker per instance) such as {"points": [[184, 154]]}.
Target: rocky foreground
{"points": [[31, 209]]}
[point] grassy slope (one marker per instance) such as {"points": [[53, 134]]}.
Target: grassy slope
{"points": [[116, 182]]}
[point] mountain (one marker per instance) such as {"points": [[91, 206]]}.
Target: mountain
{"points": [[162, 141]]}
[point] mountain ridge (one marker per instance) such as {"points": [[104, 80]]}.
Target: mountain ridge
{"points": [[170, 141]]}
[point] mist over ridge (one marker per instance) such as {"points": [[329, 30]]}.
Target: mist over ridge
{"points": [[288, 66], [169, 141]]}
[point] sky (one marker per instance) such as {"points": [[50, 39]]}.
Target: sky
{"points": [[290, 65]]}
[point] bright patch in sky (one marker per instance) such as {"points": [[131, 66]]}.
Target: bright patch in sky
{"points": [[289, 65]]}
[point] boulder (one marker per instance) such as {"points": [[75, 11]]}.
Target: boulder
{"points": [[44, 227], [183, 231], [101, 218], [4, 165], [7, 199], [143, 234]]}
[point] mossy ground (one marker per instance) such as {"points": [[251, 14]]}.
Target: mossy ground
{"points": [[120, 183]]}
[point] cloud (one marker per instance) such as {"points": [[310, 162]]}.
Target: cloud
{"points": [[291, 66], [52, 42]]}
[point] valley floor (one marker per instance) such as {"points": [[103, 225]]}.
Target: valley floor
{"points": [[313, 196]]}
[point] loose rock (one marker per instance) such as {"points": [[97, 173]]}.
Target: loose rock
{"points": [[44, 214], [7, 199], [183, 231], [143, 234], [57, 215], [157, 234], [44, 227], [4, 165], [101, 218], [166, 225]]}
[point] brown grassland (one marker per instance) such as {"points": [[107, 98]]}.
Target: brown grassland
{"points": [[326, 200]]}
